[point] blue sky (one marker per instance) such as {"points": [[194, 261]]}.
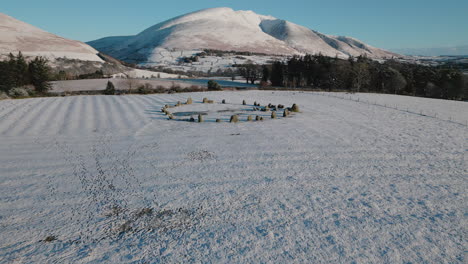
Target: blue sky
{"points": [[382, 23]]}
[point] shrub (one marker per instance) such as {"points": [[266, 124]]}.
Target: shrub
{"points": [[18, 92], [30, 90], [178, 104], [194, 88], [257, 118], [110, 88], [160, 89], [205, 100], [144, 88], [295, 108], [249, 118], [200, 118], [218, 120], [189, 100], [264, 84], [3, 96], [285, 113], [175, 87], [170, 116], [234, 119], [213, 86], [192, 119], [273, 115]]}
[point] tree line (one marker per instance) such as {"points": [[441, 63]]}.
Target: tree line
{"points": [[360, 74], [16, 72]]}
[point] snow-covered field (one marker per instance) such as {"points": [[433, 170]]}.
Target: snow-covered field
{"points": [[454, 111], [120, 84], [114, 181], [172, 60], [137, 73]]}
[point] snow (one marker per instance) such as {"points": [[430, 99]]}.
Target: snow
{"points": [[119, 83], [138, 73], [172, 60], [340, 182], [436, 108], [227, 29], [31, 41]]}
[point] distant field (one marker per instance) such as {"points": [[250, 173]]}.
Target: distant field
{"points": [[110, 179], [223, 83], [120, 84]]}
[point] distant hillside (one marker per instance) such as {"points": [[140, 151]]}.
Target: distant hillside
{"points": [[444, 51], [31, 41]]}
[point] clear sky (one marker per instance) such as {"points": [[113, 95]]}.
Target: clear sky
{"points": [[382, 23]]}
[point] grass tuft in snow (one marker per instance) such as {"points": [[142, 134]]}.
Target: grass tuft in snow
{"points": [[50, 239]]}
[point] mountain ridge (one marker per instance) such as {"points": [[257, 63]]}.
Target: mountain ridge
{"points": [[230, 30], [33, 41]]}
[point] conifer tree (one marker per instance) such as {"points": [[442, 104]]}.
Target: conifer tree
{"points": [[39, 73], [110, 89]]}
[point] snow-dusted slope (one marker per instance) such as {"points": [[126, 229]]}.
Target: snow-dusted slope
{"points": [[31, 41], [226, 29]]}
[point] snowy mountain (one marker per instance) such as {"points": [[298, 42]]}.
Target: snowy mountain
{"points": [[31, 41], [229, 30]]}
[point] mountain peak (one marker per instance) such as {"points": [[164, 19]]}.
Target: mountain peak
{"points": [[223, 28]]}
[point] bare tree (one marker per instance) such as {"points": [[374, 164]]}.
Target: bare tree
{"points": [[361, 75], [131, 82], [250, 72]]}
